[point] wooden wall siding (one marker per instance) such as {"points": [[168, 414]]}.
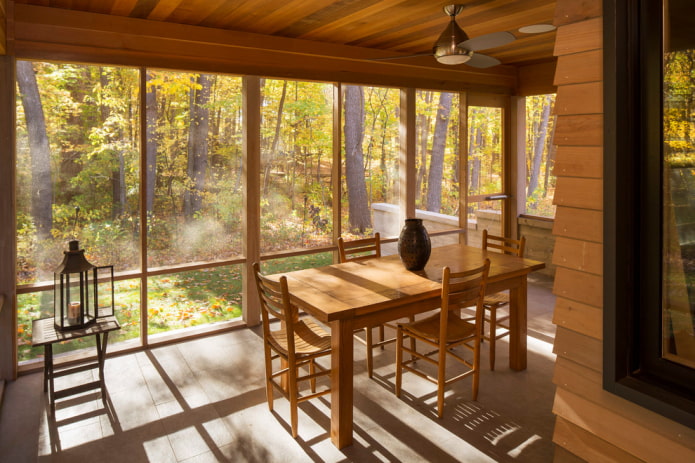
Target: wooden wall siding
{"points": [[70, 35], [578, 223], [579, 255], [591, 423], [568, 12], [579, 68], [579, 161], [579, 286], [580, 99], [579, 37], [580, 349], [583, 193], [582, 318], [586, 448], [625, 433], [579, 130]]}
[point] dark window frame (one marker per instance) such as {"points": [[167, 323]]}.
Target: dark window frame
{"points": [[633, 366]]}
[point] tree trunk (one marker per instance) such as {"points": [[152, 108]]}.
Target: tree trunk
{"points": [[538, 148], [198, 145], [151, 146], [358, 205], [423, 124], [436, 171], [271, 154], [41, 182]]}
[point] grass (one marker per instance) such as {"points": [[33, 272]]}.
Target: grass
{"points": [[176, 301]]}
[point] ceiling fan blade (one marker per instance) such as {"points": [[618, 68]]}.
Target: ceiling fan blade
{"points": [[482, 61], [493, 40], [429, 53]]}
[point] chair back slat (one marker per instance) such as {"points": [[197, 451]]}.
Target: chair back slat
{"points": [[464, 289], [359, 250], [504, 245], [275, 303]]}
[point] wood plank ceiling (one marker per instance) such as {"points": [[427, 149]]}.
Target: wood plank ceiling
{"points": [[394, 26]]}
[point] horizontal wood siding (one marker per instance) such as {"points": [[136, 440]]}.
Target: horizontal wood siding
{"points": [[591, 423], [579, 68], [579, 255], [580, 99], [579, 223], [587, 446], [582, 318], [579, 161]]}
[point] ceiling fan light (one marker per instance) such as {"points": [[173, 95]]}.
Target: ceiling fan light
{"points": [[452, 60]]}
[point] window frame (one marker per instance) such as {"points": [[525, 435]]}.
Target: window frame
{"points": [[633, 366]]}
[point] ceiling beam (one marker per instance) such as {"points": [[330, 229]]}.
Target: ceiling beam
{"points": [[58, 34]]}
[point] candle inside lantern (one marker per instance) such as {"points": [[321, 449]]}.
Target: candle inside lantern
{"points": [[73, 312]]}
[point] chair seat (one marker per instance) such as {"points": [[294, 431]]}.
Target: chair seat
{"points": [[309, 338], [457, 329], [497, 299]]}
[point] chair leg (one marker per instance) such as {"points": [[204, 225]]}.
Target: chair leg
{"points": [[381, 335], [493, 335], [370, 353], [312, 370], [476, 369], [294, 400], [399, 360], [268, 376], [412, 340], [441, 380]]}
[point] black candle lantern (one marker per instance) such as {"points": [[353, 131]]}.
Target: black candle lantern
{"points": [[76, 299]]}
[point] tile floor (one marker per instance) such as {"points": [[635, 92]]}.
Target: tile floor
{"points": [[204, 401]]}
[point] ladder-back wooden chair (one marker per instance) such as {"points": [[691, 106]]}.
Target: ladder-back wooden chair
{"points": [[499, 323], [356, 251], [297, 343], [445, 331]]}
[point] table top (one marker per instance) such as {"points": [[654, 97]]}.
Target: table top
{"points": [[43, 330], [341, 291]]}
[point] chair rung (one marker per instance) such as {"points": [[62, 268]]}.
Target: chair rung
{"points": [[313, 395], [458, 377], [420, 374]]}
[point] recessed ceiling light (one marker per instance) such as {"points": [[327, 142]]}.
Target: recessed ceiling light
{"points": [[536, 28]]}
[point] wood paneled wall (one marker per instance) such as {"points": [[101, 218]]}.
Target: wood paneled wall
{"points": [[591, 424], [3, 27]]}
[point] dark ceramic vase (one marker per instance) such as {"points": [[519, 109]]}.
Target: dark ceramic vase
{"points": [[414, 245]]}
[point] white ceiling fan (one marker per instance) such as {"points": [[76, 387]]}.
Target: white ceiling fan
{"points": [[455, 47]]}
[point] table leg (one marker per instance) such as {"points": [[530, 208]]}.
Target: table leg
{"points": [[101, 358], [341, 383], [46, 354], [517, 324], [48, 365]]}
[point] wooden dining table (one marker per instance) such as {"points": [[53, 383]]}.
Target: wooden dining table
{"points": [[354, 295]]}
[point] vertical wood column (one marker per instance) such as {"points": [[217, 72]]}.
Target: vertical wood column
{"points": [[336, 168], [252, 195], [407, 155], [8, 252], [463, 165], [517, 157]]}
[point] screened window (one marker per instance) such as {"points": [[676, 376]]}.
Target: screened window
{"points": [[370, 182], [540, 155]]}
